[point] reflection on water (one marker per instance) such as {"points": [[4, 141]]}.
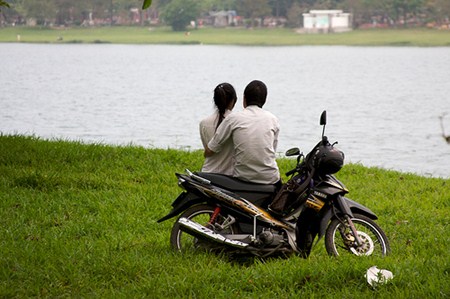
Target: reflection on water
{"points": [[383, 103]]}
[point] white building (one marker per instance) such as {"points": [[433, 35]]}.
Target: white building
{"points": [[223, 18], [324, 21]]}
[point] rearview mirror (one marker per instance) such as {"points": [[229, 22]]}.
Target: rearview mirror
{"points": [[293, 152], [323, 118]]}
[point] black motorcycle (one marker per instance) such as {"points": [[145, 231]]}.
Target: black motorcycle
{"points": [[219, 212]]}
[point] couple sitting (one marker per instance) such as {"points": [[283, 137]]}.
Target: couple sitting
{"points": [[241, 144]]}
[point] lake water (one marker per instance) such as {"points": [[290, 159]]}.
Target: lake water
{"points": [[383, 103]]}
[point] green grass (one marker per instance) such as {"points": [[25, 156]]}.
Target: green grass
{"points": [[79, 220], [227, 36]]}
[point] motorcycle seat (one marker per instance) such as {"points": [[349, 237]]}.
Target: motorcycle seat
{"points": [[235, 184]]}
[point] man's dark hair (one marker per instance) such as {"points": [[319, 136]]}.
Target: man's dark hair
{"points": [[255, 93]]}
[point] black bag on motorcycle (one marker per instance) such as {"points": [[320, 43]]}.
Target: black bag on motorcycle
{"points": [[291, 195]]}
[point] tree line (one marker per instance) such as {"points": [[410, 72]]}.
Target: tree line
{"points": [[178, 13]]}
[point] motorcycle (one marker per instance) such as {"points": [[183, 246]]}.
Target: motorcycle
{"points": [[222, 213]]}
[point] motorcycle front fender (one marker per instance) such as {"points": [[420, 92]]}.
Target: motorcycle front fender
{"points": [[353, 206], [183, 201], [360, 209]]}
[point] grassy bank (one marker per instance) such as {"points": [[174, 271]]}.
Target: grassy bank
{"points": [[79, 220], [228, 36]]}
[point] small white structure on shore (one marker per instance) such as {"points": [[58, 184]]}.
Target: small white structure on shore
{"points": [[223, 18], [325, 21]]}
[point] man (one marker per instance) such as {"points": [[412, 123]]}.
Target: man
{"points": [[254, 133]]}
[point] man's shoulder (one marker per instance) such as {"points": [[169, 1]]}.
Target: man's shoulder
{"points": [[269, 114], [272, 119]]}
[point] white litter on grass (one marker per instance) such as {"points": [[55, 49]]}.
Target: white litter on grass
{"points": [[377, 276]]}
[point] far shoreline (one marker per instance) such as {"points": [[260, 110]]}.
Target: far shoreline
{"points": [[420, 37]]}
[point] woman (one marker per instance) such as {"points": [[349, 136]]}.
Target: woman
{"points": [[224, 100]]}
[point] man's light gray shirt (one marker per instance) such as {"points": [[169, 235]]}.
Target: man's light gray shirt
{"points": [[254, 132]]}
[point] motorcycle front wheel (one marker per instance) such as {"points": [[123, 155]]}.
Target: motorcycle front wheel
{"points": [[339, 238], [182, 241]]}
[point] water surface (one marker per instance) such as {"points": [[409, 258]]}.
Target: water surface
{"points": [[383, 103]]}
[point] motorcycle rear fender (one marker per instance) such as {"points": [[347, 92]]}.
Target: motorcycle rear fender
{"points": [[353, 206], [183, 201]]}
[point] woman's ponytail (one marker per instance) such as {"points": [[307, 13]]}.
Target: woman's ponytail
{"points": [[224, 95]]}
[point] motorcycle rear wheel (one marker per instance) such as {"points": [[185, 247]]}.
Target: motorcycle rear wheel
{"points": [[182, 241], [339, 239]]}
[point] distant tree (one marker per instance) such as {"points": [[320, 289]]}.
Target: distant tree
{"points": [[179, 13], [66, 13], [362, 11], [400, 10], [254, 9], [440, 9], [41, 11], [3, 3], [225, 4], [295, 16], [280, 7], [216, 5]]}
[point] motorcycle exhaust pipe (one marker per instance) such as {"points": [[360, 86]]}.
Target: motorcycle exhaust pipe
{"points": [[199, 231]]}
